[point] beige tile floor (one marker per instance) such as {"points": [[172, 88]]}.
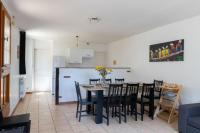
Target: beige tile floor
{"points": [[48, 118]]}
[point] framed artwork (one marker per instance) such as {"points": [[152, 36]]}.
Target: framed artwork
{"points": [[168, 51]]}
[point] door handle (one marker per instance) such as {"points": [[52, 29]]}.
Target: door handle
{"points": [[66, 77]]}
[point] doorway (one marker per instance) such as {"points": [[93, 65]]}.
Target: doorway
{"points": [[42, 70], [5, 54]]}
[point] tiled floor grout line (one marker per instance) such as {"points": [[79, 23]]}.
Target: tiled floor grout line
{"points": [[51, 115], [68, 122], [38, 111]]}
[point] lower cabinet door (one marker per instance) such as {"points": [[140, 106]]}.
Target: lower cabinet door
{"points": [[67, 90]]}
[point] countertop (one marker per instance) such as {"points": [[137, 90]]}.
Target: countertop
{"points": [[94, 67]]}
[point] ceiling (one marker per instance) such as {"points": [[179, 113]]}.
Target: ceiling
{"points": [[54, 19]]}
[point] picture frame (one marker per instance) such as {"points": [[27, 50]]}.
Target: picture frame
{"points": [[167, 51]]}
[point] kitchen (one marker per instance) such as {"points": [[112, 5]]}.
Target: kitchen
{"points": [[81, 63]]}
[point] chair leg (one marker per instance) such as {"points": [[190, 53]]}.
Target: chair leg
{"points": [[115, 111], [142, 111], [132, 109], [93, 109], [77, 109], [119, 114], [128, 110], [112, 111], [125, 114], [107, 113], [80, 112], [135, 112]]}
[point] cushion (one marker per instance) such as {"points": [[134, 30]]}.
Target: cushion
{"points": [[194, 122]]}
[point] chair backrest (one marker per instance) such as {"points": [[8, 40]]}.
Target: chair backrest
{"points": [[115, 91], [94, 81], [132, 89], [148, 90], [158, 84], [78, 92], [120, 81], [108, 81]]}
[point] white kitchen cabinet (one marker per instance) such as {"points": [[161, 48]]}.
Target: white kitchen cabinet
{"points": [[76, 54], [87, 53], [75, 59], [67, 91]]}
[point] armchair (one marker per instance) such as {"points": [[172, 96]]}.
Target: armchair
{"points": [[15, 124], [189, 118]]}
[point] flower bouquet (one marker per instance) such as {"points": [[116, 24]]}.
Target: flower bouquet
{"points": [[103, 71]]}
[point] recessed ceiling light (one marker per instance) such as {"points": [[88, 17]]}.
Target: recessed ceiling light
{"points": [[94, 20]]}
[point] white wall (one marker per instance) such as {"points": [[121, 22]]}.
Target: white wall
{"points": [[134, 52], [60, 48], [29, 82], [14, 70]]}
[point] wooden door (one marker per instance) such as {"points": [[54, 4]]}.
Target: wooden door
{"points": [[5, 43]]}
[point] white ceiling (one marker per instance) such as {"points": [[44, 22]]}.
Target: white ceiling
{"points": [[55, 19]]}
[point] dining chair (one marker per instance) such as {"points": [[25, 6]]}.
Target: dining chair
{"points": [[130, 99], [113, 100], [82, 102], [119, 81], [146, 98], [94, 81], [108, 81], [157, 89]]}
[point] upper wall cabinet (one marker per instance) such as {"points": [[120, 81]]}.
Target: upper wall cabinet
{"points": [[87, 53], [75, 55]]}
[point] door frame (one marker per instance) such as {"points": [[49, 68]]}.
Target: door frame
{"points": [[4, 69]]}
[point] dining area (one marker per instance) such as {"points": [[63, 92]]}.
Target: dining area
{"points": [[106, 99]]}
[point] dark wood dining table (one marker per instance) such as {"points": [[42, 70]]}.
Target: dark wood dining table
{"points": [[99, 90]]}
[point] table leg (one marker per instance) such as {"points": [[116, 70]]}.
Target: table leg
{"points": [[99, 107], [151, 106], [89, 98]]}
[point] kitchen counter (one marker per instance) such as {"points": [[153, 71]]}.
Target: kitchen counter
{"points": [[65, 76], [94, 67]]}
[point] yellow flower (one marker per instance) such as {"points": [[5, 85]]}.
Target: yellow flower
{"points": [[98, 68], [109, 70]]}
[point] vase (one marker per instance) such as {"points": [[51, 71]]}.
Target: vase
{"points": [[103, 80]]}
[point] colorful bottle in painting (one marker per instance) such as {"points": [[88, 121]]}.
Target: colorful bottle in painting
{"points": [[163, 52], [159, 53], [151, 54], [180, 45], [156, 54], [172, 49], [166, 51]]}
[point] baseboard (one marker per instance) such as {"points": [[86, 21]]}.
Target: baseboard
{"points": [[29, 92], [21, 99], [72, 102], [13, 111]]}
